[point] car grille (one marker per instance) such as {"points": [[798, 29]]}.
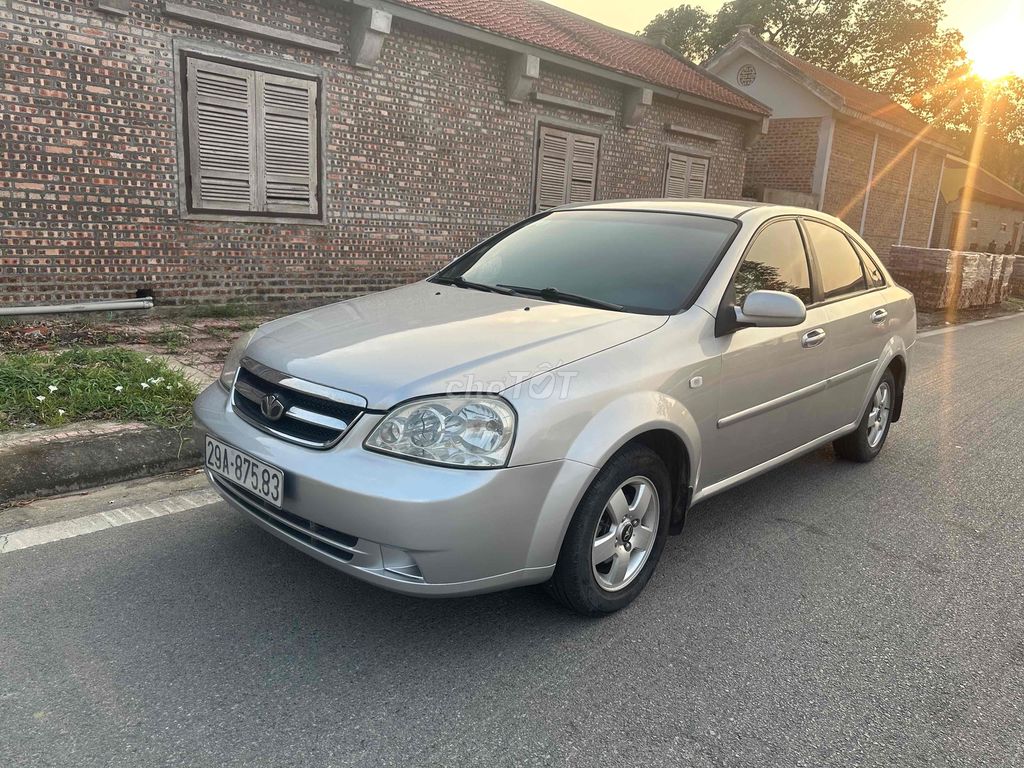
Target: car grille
{"points": [[327, 540], [306, 413]]}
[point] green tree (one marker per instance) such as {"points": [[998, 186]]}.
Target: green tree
{"points": [[987, 117], [895, 47], [685, 28]]}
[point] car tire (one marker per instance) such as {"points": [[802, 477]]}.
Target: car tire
{"points": [[633, 487], [866, 441]]}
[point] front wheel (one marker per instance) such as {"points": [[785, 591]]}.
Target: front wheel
{"points": [[867, 440], [616, 536]]}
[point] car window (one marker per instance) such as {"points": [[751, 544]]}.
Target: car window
{"points": [[643, 261], [871, 270], [840, 266], [775, 261]]}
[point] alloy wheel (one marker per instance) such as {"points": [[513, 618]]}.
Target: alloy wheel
{"points": [[625, 533], [878, 416]]}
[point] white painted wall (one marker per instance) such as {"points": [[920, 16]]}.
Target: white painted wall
{"points": [[772, 87]]}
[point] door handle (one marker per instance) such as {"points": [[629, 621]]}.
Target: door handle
{"points": [[878, 316], [812, 338]]}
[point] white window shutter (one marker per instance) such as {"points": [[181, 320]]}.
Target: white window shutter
{"points": [[222, 139], [287, 134], [583, 180], [697, 181], [552, 168], [566, 168], [686, 176], [676, 176]]}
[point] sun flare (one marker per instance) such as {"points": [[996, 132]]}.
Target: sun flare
{"points": [[996, 51]]}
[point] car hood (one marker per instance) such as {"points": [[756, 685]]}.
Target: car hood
{"points": [[425, 339]]}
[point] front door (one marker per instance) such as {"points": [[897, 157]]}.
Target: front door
{"points": [[772, 384]]}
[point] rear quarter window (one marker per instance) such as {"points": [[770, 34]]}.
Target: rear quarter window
{"points": [[871, 270]]}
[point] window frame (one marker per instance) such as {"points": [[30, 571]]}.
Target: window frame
{"points": [[820, 300], [866, 258], [814, 287], [540, 122], [182, 51], [690, 155], [725, 319]]}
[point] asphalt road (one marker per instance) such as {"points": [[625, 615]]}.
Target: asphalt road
{"points": [[825, 614]]}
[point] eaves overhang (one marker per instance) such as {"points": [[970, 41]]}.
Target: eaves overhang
{"points": [[758, 118]]}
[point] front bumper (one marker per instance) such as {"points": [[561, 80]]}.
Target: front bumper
{"points": [[402, 525]]}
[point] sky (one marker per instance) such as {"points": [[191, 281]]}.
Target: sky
{"points": [[993, 29]]}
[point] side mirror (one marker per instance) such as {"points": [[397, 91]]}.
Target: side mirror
{"points": [[771, 309]]}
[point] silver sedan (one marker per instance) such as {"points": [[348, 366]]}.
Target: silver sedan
{"points": [[548, 406]]}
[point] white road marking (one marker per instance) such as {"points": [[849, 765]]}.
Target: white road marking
{"points": [[101, 521], [951, 328]]}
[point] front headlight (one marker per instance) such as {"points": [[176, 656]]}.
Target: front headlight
{"points": [[458, 431], [234, 359]]}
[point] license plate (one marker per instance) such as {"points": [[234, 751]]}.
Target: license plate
{"points": [[240, 468]]}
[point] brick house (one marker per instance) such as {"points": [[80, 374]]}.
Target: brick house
{"points": [[256, 150], [835, 146], [976, 210]]}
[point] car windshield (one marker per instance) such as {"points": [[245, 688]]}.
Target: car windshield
{"points": [[637, 261]]}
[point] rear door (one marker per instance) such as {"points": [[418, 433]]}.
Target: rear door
{"points": [[770, 398], [852, 292]]}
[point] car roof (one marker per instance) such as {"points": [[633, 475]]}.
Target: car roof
{"points": [[726, 208], [731, 209], [751, 211]]}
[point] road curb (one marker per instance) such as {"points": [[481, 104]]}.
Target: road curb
{"points": [[43, 463]]}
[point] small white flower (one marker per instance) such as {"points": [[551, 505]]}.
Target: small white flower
{"points": [[52, 389], [149, 359], [119, 388], [144, 385], [40, 398], [61, 411]]}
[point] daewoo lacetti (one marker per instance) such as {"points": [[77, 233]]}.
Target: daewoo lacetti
{"points": [[548, 406]]}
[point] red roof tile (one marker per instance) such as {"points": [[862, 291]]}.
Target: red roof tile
{"points": [[545, 26], [859, 98]]}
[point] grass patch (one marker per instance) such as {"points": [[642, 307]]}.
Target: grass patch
{"points": [[169, 339], [116, 384]]}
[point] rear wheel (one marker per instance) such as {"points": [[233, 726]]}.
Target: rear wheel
{"points": [[616, 536], [866, 442]]}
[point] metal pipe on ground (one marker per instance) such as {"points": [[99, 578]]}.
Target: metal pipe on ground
{"points": [[115, 305]]}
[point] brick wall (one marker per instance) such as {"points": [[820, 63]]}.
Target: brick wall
{"points": [[941, 278], [784, 157], [1015, 286], [848, 172], [848, 179], [424, 157], [927, 174]]}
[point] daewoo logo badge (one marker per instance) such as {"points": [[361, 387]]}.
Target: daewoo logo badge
{"points": [[272, 407]]}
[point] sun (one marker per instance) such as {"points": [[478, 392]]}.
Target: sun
{"points": [[996, 51]]}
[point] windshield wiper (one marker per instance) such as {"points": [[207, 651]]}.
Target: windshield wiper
{"points": [[460, 282], [553, 294]]}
